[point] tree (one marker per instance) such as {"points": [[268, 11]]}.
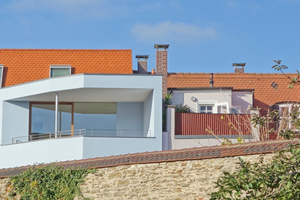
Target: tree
{"points": [[279, 179]]}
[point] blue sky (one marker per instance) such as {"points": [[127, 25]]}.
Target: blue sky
{"points": [[204, 36]]}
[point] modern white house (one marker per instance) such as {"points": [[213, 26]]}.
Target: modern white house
{"points": [[69, 116]]}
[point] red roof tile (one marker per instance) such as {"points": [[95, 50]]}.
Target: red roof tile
{"points": [[167, 156], [25, 65], [264, 93]]}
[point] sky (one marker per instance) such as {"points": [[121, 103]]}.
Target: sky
{"points": [[204, 36]]}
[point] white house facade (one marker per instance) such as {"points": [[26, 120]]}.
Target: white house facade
{"points": [[79, 116]]}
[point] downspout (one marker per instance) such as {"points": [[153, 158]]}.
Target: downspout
{"points": [[56, 114]]}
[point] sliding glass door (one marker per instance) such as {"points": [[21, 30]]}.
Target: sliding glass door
{"points": [[43, 118], [96, 119]]}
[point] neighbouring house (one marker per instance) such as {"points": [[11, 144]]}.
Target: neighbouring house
{"points": [[58, 105], [220, 101]]}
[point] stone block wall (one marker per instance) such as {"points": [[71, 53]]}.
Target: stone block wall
{"points": [[168, 180], [180, 180]]}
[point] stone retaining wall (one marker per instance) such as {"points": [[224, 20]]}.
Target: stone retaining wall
{"points": [[167, 180]]}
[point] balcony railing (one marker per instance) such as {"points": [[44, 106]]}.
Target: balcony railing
{"points": [[82, 132]]}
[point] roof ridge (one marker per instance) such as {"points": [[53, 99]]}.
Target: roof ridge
{"points": [[65, 49]]}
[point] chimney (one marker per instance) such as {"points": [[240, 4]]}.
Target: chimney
{"points": [[162, 65], [211, 80], [239, 67], [142, 64]]}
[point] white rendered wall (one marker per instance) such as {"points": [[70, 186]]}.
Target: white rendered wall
{"points": [[99, 147], [76, 148], [243, 99], [190, 143], [184, 97], [130, 116], [148, 114], [15, 120], [43, 151]]}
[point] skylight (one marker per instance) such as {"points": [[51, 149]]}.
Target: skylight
{"points": [[60, 70]]}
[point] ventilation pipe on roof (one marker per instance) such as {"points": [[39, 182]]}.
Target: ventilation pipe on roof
{"points": [[211, 80], [142, 64]]}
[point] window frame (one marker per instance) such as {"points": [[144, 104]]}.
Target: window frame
{"points": [[289, 106], [206, 105], [1, 74], [59, 67]]}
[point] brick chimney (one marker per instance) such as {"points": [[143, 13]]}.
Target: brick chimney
{"points": [[162, 65], [239, 67], [142, 64]]}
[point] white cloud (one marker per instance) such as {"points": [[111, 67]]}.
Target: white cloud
{"points": [[231, 4], [175, 5], [172, 32], [151, 7], [92, 8]]}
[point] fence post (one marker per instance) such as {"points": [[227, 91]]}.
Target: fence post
{"points": [[170, 123], [255, 130]]}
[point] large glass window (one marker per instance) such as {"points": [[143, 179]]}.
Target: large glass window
{"points": [[89, 118], [43, 118], [60, 70], [99, 118]]}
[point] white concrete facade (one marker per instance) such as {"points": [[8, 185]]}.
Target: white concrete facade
{"points": [[138, 99], [216, 97]]}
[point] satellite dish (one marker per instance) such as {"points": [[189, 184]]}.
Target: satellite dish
{"points": [[194, 99]]}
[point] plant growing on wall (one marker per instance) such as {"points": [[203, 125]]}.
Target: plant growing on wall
{"points": [[48, 182], [168, 99]]}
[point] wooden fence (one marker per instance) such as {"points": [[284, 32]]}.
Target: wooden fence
{"points": [[219, 124]]}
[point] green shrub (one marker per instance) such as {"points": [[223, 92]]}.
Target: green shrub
{"points": [[48, 182]]}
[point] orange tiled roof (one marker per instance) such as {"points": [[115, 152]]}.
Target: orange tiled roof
{"points": [[25, 65], [264, 93]]}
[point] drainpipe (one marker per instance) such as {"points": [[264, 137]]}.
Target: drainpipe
{"points": [[56, 114]]}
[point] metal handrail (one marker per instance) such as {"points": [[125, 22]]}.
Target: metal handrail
{"points": [[83, 132]]}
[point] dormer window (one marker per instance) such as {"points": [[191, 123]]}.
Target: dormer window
{"points": [[1, 75], [60, 70]]}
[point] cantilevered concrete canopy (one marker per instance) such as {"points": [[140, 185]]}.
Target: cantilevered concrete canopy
{"points": [[85, 87], [92, 95]]}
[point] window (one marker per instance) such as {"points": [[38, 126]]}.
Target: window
{"points": [[285, 119], [221, 108], [1, 74], [60, 70], [206, 108]]}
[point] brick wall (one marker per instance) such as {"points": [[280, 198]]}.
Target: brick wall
{"points": [[162, 68]]}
